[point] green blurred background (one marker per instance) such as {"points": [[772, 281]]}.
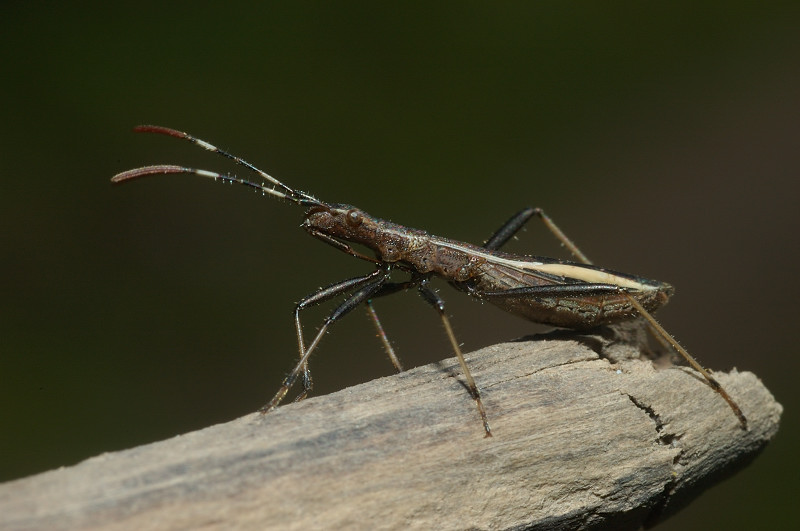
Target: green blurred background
{"points": [[663, 139]]}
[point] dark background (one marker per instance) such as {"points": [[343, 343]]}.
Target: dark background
{"points": [[663, 139]]}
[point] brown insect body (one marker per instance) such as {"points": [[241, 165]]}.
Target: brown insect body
{"points": [[409, 249], [579, 310], [478, 271]]}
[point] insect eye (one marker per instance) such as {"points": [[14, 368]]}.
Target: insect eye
{"points": [[354, 218]]}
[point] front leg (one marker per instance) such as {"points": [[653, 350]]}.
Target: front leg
{"points": [[361, 289]]}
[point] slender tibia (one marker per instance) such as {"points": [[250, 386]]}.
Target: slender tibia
{"points": [[682, 351], [383, 337], [434, 300], [308, 383], [562, 237]]}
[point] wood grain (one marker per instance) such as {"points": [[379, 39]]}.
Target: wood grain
{"points": [[580, 441]]}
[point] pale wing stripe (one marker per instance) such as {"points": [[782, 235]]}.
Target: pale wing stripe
{"points": [[577, 272]]}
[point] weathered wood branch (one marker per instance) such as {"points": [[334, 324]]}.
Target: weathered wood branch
{"points": [[579, 442]]}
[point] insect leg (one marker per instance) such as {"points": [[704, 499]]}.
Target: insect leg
{"points": [[552, 290], [365, 287], [388, 289], [654, 326], [384, 338], [658, 329], [509, 229], [434, 300], [518, 220]]}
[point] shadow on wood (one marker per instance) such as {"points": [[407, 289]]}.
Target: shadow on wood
{"points": [[579, 442]]}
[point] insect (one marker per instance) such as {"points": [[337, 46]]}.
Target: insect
{"points": [[575, 295]]}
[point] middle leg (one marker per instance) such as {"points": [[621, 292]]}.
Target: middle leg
{"points": [[438, 304]]}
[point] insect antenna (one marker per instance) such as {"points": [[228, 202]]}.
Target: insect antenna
{"points": [[282, 192], [165, 169]]}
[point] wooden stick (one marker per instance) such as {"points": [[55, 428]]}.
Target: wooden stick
{"points": [[578, 441]]}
